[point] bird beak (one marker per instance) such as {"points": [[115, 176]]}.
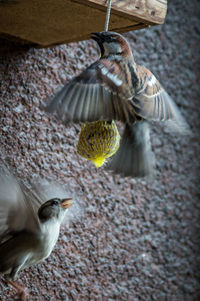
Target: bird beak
{"points": [[99, 38], [96, 36], [66, 203]]}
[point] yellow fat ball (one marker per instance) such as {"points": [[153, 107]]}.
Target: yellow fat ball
{"points": [[98, 141]]}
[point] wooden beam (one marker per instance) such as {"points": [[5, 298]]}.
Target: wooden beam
{"points": [[146, 11], [49, 22]]}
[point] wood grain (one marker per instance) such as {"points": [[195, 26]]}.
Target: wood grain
{"points": [[50, 22], [147, 11]]}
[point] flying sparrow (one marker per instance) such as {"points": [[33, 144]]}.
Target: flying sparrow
{"points": [[116, 88], [27, 234]]}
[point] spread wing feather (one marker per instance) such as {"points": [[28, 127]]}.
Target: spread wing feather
{"points": [[153, 103], [109, 90], [18, 206], [91, 96]]}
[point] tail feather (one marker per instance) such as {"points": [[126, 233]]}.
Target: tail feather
{"points": [[134, 157]]}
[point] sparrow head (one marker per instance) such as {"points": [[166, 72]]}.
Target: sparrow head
{"points": [[112, 43], [54, 208]]}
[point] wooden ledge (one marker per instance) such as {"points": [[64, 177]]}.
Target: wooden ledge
{"points": [[48, 22]]}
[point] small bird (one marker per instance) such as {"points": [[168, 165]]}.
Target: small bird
{"points": [[98, 141], [27, 236], [116, 88]]}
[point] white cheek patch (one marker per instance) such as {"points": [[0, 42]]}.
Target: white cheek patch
{"points": [[111, 76], [152, 81], [115, 47], [106, 49], [111, 48]]}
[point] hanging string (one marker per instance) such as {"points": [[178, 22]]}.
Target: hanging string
{"points": [[108, 15]]}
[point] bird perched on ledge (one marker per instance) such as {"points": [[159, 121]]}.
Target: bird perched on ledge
{"points": [[116, 88], [27, 236]]}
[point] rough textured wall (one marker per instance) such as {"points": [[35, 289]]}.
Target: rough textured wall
{"points": [[133, 241]]}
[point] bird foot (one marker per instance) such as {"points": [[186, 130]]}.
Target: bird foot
{"points": [[23, 292]]}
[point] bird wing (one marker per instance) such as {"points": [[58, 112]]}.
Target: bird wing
{"points": [[18, 206], [93, 95], [152, 102]]}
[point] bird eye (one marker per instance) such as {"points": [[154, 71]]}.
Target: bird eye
{"points": [[54, 202], [109, 39]]}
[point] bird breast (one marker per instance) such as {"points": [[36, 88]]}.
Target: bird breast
{"points": [[50, 232], [47, 240]]}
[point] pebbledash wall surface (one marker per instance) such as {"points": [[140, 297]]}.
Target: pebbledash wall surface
{"points": [[130, 240]]}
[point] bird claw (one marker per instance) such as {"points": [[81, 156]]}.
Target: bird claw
{"points": [[23, 294]]}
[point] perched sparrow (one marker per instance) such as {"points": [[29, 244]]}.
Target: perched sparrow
{"points": [[27, 236], [116, 88], [98, 141]]}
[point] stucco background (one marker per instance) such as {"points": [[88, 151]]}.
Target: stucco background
{"points": [[129, 240]]}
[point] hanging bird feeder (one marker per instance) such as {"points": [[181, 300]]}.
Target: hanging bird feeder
{"points": [[98, 141], [49, 22]]}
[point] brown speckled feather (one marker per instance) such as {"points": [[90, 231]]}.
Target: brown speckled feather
{"points": [[116, 77], [116, 88], [151, 101], [98, 93]]}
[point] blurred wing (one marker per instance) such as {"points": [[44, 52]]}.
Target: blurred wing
{"points": [[18, 206], [134, 157], [153, 103], [91, 96]]}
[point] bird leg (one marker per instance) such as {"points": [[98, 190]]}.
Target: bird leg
{"points": [[22, 291]]}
